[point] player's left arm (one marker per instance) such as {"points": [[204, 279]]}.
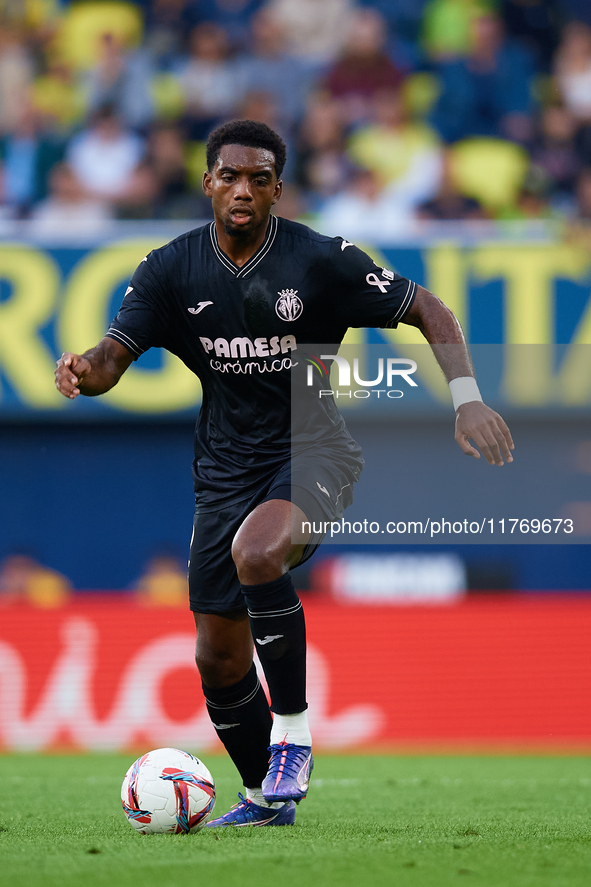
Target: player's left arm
{"points": [[474, 420]]}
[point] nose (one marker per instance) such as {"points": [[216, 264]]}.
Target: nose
{"points": [[243, 190]]}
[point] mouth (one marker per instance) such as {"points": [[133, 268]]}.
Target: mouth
{"points": [[240, 215]]}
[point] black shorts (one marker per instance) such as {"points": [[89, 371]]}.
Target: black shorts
{"points": [[316, 481]]}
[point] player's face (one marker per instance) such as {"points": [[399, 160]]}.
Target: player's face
{"points": [[243, 187]]}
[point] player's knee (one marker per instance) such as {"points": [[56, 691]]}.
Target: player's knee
{"points": [[257, 563], [220, 669]]}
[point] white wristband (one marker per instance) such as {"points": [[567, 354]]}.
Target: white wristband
{"points": [[464, 390]]}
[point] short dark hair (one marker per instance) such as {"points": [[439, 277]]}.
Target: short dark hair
{"points": [[250, 134]]}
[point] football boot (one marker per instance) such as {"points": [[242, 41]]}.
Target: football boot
{"points": [[246, 812], [289, 772]]}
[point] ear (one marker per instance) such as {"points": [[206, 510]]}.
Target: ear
{"points": [[277, 192], [206, 183]]}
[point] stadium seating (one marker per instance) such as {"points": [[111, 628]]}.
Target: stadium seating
{"points": [[490, 170]]}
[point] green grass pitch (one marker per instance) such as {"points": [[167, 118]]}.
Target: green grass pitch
{"points": [[369, 820]]}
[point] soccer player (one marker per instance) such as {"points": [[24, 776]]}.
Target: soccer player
{"points": [[233, 299]]}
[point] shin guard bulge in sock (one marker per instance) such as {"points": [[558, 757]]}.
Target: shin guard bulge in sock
{"points": [[279, 631]]}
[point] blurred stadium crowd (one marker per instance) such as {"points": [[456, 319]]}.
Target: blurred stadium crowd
{"points": [[392, 110], [26, 580]]}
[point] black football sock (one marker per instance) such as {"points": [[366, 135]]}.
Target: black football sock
{"points": [[279, 631], [242, 720]]}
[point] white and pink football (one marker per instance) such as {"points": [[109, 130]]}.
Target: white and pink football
{"points": [[168, 791]]}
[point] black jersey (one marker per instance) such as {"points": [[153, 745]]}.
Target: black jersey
{"points": [[238, 329]]}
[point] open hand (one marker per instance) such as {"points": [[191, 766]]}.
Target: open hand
{"points": [[488, 430]]}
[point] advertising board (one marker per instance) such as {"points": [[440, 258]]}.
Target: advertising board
{"points": [[108, 674]]}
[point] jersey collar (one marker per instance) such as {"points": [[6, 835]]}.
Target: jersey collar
{"points": [[254, 260]]}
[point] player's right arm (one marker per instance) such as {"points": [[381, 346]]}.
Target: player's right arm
{"points": [[140, 324], [94, 372]]}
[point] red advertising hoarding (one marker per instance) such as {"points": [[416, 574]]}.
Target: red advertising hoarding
{"points": [[104, 673]]}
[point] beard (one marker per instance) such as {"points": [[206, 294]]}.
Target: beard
{"points": [[234, 232]]}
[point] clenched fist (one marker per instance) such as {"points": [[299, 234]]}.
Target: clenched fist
{"points": [[70, 370]]}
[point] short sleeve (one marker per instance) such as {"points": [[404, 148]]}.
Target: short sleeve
{"points": [[143, 318], [365, 294]]}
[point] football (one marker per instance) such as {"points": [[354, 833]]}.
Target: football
{"points": [[167, 791]]}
